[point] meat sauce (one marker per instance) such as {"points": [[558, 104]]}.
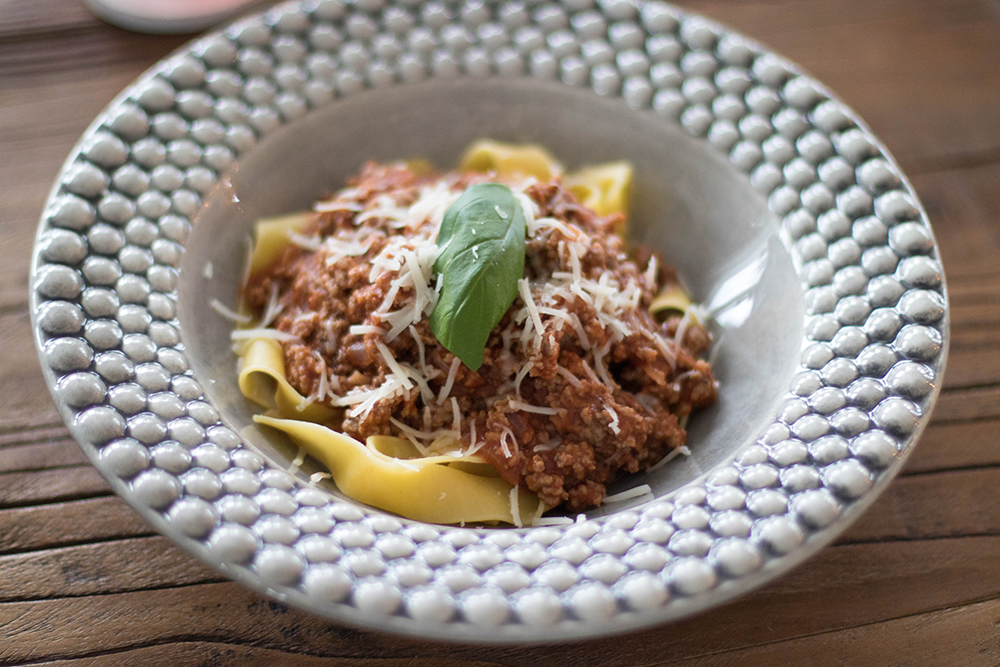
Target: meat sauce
{"points": [[588, 432]]}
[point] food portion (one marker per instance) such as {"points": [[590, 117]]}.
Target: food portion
{"points": [[485, 334]]}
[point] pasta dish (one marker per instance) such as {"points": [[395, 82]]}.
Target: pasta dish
{"points": [[472, 346]]}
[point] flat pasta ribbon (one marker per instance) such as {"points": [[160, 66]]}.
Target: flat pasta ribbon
{"points": [[262, 380], [603, 188], [510, 160], [425, 489]]}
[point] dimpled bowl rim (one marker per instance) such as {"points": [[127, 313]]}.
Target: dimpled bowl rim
{"points": [[104, 316]]}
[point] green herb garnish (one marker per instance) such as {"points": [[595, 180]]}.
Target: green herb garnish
{"points": [[482, 258]]}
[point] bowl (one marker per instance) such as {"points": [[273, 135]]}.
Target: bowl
{"points": [[782, 212]]}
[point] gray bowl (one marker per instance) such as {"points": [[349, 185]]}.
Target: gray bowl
{"points": [[781, 211]]}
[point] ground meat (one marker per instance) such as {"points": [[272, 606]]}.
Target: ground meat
{"points": [[600, 392]]}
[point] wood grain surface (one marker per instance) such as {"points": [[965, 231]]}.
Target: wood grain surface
{"points": [[916, 581]]}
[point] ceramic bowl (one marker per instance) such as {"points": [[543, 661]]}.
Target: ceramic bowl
{"points": [[783, 214]]}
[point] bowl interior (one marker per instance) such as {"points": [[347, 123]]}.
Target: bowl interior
{"points": [[687, 200]]}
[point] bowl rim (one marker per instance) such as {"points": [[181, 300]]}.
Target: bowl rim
{"points": [[89, 192]]}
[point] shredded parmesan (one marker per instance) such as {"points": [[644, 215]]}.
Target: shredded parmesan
{"points": [[310, 243], [637, 492], [515, 509], [330, 206], [228, 313], [520, 376], [680, 451], [590, 371], [613, 425], [572, 379], [651, 270], [275, 334], [552, 521], [393, 365], [423, 435], [537, 409], [456, 415], [273, 308], [452, 373], [507, 433], [318, 477], [209, 271], [299, 459], [529, 302], [548, 446], [362, 329]]}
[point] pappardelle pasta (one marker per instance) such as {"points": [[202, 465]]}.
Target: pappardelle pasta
{"points": [[473, 346]]}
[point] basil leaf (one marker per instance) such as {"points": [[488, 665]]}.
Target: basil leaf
{"points": [[482, 258]]}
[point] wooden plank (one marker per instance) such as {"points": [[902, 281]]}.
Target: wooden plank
{"points": [[39, 434], [25, 17], [976, 338], [945, 446], [105, 567], [943, 504], [62, 524], [964, 636], [39, 456], [24, 398], [219, 654], [982, 314], [964, 288], [963, 404], [842, 587], [26, 488], [93, 46], [976, 366], [964, 208], [925, 639]]}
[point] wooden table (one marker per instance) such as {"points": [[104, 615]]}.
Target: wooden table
{"points": [[83, 581]]}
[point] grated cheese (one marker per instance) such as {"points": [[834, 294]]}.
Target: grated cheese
{"points": [[613, 425], [680, 451], [393, 365], [208, 272], [651, 271], [572, 379], [520, 376], [362, 329], [228, 313], [529, 303], [452, 373], [515, 509], [275, 334], [637, 492], [331, 206], [590, 371], [537, 409], [552, 521], [423, 435], [548, 446], [310, 243], [456, 415], [504, 435], [273, 308]]}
